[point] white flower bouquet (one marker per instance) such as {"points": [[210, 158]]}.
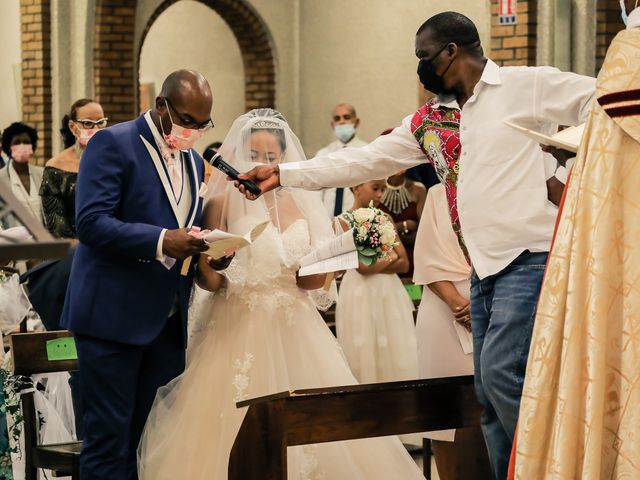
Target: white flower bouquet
{"points": [[373, 233]]}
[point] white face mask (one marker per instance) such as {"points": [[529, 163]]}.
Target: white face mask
{"points": [[345, 131], [85, 135], [22, 152], [180, 138]]}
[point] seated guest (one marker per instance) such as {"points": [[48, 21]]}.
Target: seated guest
{"points": [[442, 267], [58, 189], [344, 123], [19, 141]]}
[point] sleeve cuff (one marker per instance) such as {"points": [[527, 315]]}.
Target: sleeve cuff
{"points": [[167, 262], [286, 171], [159, 255]]}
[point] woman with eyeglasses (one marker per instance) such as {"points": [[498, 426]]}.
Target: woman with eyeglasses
{"points": [[61, 172]]}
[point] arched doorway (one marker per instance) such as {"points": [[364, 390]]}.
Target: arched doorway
{"points": [[115, 61], [170, 44]]}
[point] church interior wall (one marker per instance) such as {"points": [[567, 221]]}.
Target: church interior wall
{"points": [[10, 97]]}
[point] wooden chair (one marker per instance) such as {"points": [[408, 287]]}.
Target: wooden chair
{"points": [[301, 417], [30, 357]]}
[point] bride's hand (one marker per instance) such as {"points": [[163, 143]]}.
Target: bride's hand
{"points": [[221, 263], [266, 177]]}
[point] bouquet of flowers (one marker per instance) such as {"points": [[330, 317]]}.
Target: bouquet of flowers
{"points": [[373, 233]]}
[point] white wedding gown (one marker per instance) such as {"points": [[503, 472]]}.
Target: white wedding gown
{"points": [[264, 336]]}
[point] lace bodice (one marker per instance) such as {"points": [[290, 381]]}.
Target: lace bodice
{"points": [[271, 262]]}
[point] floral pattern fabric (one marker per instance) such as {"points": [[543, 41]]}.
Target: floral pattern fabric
{"points": [[437, 129]]}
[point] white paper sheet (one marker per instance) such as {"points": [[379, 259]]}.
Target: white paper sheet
{"points": [[465, 337], [567, 139], [345, 261], [222, 242], [338, 254]]}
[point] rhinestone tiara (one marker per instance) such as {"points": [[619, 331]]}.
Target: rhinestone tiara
{"points": [[266, 124]]}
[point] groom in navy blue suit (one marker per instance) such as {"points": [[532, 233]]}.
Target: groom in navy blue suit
{"points": [[139, 191]]}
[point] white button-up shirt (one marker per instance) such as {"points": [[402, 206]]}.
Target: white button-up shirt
{"points": [[502, 193], [329, 195]]}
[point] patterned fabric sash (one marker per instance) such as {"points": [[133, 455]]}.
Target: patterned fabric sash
{"points": [[437, 131]]}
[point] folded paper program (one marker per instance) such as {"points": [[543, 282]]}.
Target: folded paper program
{"points": [[567, 139], [338, 254]]}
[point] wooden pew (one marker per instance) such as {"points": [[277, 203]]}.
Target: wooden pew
{"points": [[31, 356], [301, 417]]}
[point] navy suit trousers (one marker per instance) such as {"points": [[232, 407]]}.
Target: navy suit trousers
{"points": [[118, 384]]}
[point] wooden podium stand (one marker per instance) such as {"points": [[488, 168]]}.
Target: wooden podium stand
{"points": [[43, 244]]}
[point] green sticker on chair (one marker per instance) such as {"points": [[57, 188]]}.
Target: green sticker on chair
{"points": [[61, 349], [414, 291]]}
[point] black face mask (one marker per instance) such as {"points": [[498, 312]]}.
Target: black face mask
{"points": [[428, 76]]}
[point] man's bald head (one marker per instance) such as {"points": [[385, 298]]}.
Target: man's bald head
{"points": [[345, 106], [185, 95], [344, 113], [185, 82]]}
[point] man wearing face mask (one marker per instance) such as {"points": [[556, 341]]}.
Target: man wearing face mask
{"points": [[496, 188], [139, 192], [344, 123], [580, 412], [19, 142]]}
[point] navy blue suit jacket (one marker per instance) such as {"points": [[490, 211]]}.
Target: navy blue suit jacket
{"points": [[118, 291]]}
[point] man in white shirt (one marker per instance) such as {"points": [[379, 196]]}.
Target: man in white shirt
{"points": [[496, 186], [344, 123]]}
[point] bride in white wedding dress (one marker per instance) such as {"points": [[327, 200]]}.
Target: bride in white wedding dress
{"points": [[263, 333]]}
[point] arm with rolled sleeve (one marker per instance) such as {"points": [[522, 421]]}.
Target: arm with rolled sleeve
{"points": [[385, 156], [562, 98], [101, 180]]}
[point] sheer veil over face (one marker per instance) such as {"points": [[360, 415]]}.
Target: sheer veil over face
{"points": [[263, 137]]}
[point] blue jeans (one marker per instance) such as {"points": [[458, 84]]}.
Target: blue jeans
{"points": [[503, 309]]}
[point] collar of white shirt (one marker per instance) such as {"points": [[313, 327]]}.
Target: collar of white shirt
{"points": [[634, 19], [490, 76], [164, 148]]}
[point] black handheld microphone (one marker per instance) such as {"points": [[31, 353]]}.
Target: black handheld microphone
{"points": [[216, 160]]}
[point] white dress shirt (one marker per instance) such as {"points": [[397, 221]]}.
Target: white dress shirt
{"points": [[328, 195], [502, 192], [183, 193]]}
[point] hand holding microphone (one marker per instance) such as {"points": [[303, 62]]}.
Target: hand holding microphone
{"points": [[216, 160]]}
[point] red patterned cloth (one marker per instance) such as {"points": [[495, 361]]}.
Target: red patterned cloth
{"points": [[437, 130]]}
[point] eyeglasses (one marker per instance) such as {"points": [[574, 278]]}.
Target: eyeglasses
{"points": [[188, 122], [87, 123]]}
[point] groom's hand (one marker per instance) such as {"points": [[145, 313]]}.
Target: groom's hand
{"points": [[179, 244], [266, 177]]}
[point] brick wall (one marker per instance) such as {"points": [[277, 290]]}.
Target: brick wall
{"points": [[608, 25], [35, 38], [514, 44], [251, 35], [115, 80]]}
